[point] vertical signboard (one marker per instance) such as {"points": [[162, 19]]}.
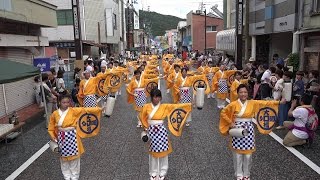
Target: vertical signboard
{"points": [[77, 29], [239, 32]]}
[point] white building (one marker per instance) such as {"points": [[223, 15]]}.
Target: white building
{"points": [[102, 28]]}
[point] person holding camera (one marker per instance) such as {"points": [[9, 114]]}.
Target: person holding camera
{"points": [[299, 133]]}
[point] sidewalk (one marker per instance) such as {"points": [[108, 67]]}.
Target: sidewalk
{"points": [[25, 113]]}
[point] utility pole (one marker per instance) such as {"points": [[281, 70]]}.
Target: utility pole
{"points": [[239, 32], [246, 32], [77, 33]]}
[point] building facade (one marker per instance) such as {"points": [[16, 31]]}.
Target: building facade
{"points": [[271, 25], [308, 35], [21, 41], [196, 27], [102, 28]]}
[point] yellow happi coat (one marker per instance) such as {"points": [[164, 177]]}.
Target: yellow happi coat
{"points": [[201, 69], [185, 82], [215, 82], [91, 87], [134, 84], [210, 71], [228, 116], [172, 78], [70, 120], [163, 112]]}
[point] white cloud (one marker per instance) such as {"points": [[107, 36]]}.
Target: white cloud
{"points": [[178, 8]]}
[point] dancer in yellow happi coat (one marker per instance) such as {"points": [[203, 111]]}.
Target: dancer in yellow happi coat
{"points": [[237, 81], [172, 78], [220, 84], [88, 89], [183, 87], [152, 118], [210, 72], [239, 114], [62, 130], [136, 91]]}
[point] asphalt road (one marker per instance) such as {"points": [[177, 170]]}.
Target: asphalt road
{"points": [[118, 152]]}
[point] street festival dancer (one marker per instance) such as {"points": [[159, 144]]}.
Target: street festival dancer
{"points": [[183, 88], [88, 88], [64, 130], [220, 84], [237, 116], [136, 91], [152, 118], [210, 71]]}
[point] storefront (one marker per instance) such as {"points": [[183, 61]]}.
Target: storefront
{"points": [[225, 41]]}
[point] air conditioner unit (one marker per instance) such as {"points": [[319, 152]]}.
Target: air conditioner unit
{"points": [[198, 12]]}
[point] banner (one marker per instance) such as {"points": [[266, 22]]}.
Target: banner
{"points": [[89, 122], [266, 117], [177, 118], [42, 63], [113, 82]]}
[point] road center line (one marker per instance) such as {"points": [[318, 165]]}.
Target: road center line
{"points": [[26, 164], [295, 152]]}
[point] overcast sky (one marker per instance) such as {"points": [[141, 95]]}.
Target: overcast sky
{"points": [[178, 8]]}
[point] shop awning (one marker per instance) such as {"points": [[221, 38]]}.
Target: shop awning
{"points": [[225, 40], [11, 71]]}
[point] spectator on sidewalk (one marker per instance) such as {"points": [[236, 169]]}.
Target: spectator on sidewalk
{"points": [[61, 64], [298, 88], [50, 98], [312, 83], [264, 89], [297, 134], [278, 60], [61, 87], [74, 93], [37, 90], [285, 94]]}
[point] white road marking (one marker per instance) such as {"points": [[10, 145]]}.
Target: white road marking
{"points": [[303, 158], [26, 164]]}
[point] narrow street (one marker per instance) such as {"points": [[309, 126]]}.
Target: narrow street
{"points": [[119, 153]]}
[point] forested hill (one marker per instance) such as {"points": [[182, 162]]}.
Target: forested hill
{"points": [[159, 22]]}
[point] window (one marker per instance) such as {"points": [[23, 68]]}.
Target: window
{"points": [[6, 5], [315, 8], [211, 28], [65, 17], [114, 21]]}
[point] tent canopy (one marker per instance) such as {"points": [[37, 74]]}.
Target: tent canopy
{"points": [[11, 71]]}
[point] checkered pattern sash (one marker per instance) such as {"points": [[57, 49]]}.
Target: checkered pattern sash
{"points": [[141, 99], [246, 142], [158, 135], [67, 141], [185, 95], [222, 86], [90, 101]]}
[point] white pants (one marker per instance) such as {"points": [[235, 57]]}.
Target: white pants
{"points": [[221, 103], [242, 164], [70, 169], [139, 122], [189, 118], [158, 166]]}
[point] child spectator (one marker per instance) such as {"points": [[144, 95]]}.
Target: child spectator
{"points": [[298, 88]]}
